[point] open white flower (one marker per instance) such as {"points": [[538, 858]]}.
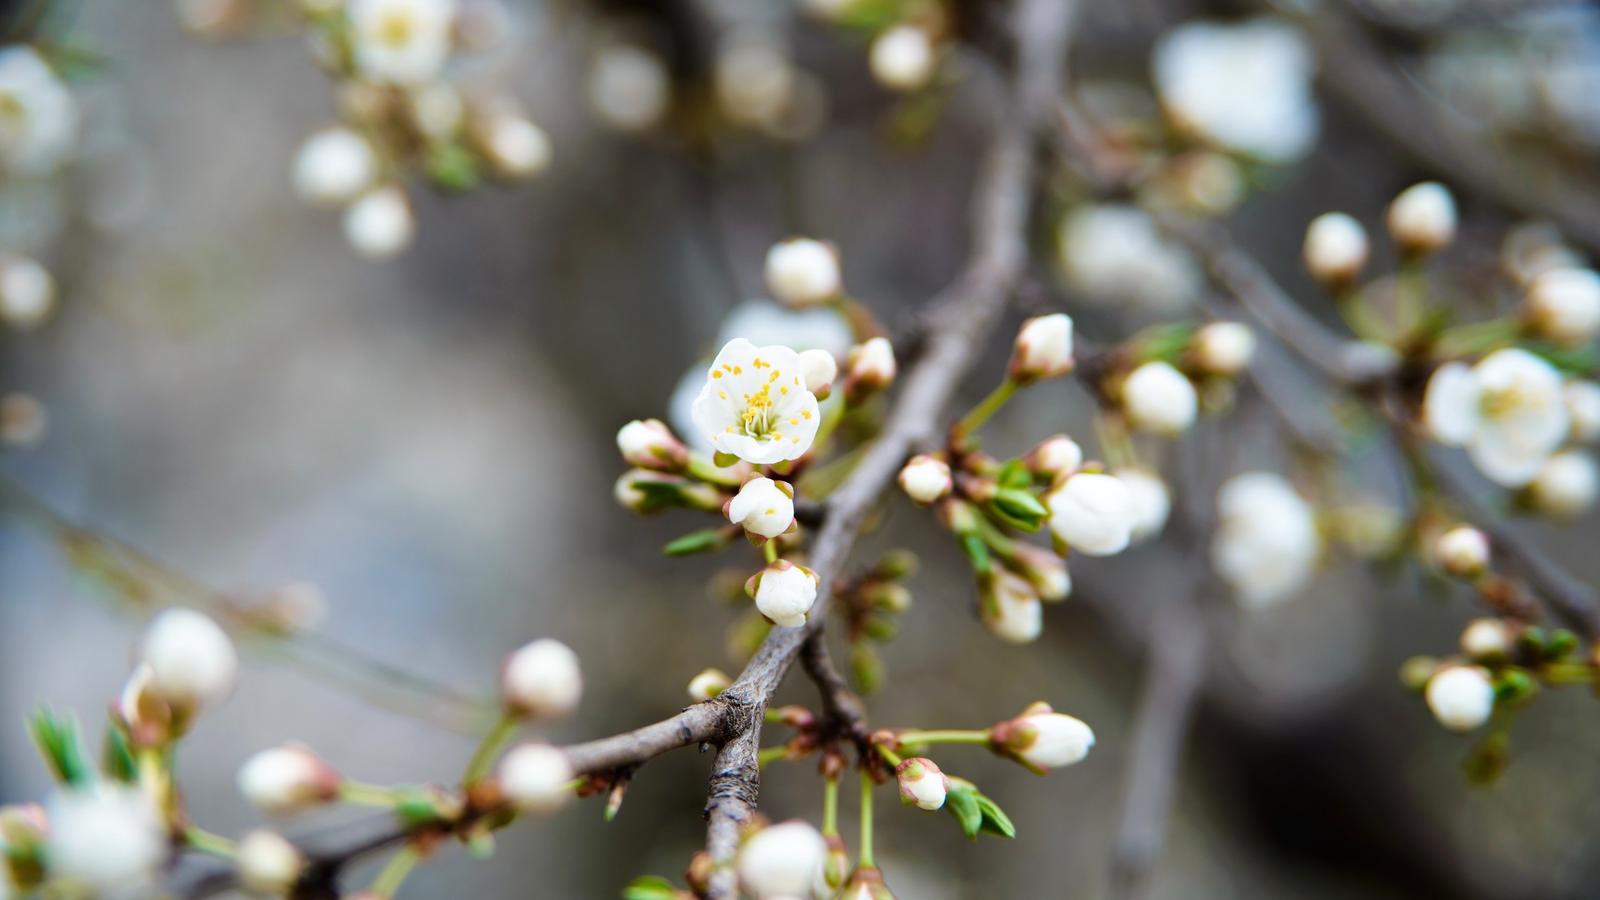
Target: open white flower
{"points": [[1010, 608], [1564, 305], [903, 58], [1043, 348], [921, 782], [334, 166], [755, 405], [1041, 738], [1115, 254], [1508, 411], [1460, 697], [1335, 249], [106, 838], [784, 592], [1092, 513], [1245, 87], [1152, 502], [542, 679], [764, 507], [1266, 544], [405, 42], [1566, 485], [190, 658], [1423, 217], [781, 861], [535, 777], [1158, 398], [38, 115]]}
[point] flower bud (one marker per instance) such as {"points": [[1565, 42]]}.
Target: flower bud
{"points": [[1042, 738], [1010, 608], [765, 508], [268, 863], [1487, 639], [515, 146], [1564, 305], [288, 779], [1092, 513], [650, 444], [191, 659], [645, 491], [1335, 249], [1460, 697], [921, 782], [869, 368], [784, 592], [629, 87], [1583, 409], [803, 272], [1054, 456], [818, 369], [708, 684], [334, 166], [1463, 551], [836, 865], [1152, 502], [27, 292], [1223, 348], [292, 609], [105, 839], [1046, 571], [781, 861], [541, 680], [145, 715], [1565, 487], [926, 479], [903, 58], [1043, 349], [535, 777], [1159, 399], [380, 224], [1423, 218]]}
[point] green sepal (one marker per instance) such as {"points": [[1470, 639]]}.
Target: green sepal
{"points": [[1014, 475], [117, 757], [963, 804], [995, 821], [451, 166], [57, 740], [706, 540], [977, 552], [649, 887]]}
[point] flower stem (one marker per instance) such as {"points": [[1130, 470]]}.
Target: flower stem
{"points": [[866, 820], [770, 755], [206, 842], [889, 755], [492, 743], [708, 471], [770, 550], [394, 873], [1568, 673], [362, 794], [986, 407], [830, 807], [947, 736]]}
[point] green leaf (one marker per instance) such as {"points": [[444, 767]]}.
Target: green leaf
{"points": [[57, 739], [118, 757], [995, 821], [649, 887], [963, 804], [977, 551], [706, 540]]}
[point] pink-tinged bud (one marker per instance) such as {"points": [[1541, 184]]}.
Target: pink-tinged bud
{"points": [[145, 716], [645, 492], [866, 884], [535, 777], [818, 369], [1009, 607], [1042, 738], [191, 659], [1043, 349], [650, 444], [921, 782], [268, 863], [765, 508], [836, 865], [1462, 551], [1054, 456], [288, 779], [869, 369], [781, 861], [1043, 569], [784, 592], [708, 684], [926, 479], [541, 680], [291, 609]]}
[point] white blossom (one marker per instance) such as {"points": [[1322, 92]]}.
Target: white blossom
{"points": [[438, 110], [781, 862], [535, 777], [38, 115], [380, 224], [755, 405], [784, 592], [903, 58], [818, 369], [1010, 608], [926, 478], [1245, 87], [1460, 697], [1423, 217], [1583, 409], [1564, 305], [1508, 411], [1115, 254], [754, 78], [267, 862], [542, 679], [287, 779], [1152, 502], [191, 659], [803, 272], [1487, 639], [1054, 456], [870, 367], [516, 146], [708, 684], [1042, 738], [1092, 513], [27, 292], [921, 782], [1462, 551], [105, 837], [1158, 398], [764, 507], [1043, 348], [1223, 348], [1266, 543], [1046, 571], [1565, 486], [334, 166], [650, 444], [629, 87], [1336, 248], [405, 42]]}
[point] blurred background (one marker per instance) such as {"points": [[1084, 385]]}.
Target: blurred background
{"points": [[429, 441]]}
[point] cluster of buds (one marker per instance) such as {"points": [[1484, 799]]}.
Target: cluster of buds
{"points": [[1502, 663], [870, 604], [186, 662], [402, 114], [1159, 377]]}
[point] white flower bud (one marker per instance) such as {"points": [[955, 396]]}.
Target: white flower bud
{"points": [[1423, 218], [1158, 398], [803, 272], [1487, 639], [267, 862], [650, 444], [869, 368], [1460, 697], [1335, 249], [1565, 487], [1564, 305], [708, 684], [764, 507], [1223, 348], [1463, 551], [106, 838], [1054, 456], [535, 777], [517, 147], [334, 166], [438, 111], [782, 861], [921, 782], [784, 592], [542, 680], [926, 479], [903, 58], [288, 779], [1152, 502], [1043, 348], [1042, 738], [628, 87], [1043, 569], [27, 292], [1010, 609], [1583, 409], [191, 659], [818, 369], [380, 224], [1092, 513]]}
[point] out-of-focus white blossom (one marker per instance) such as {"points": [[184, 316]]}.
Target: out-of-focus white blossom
{"points": [[781, 861], [1041, 738], [903, 58], [921, 782], [1009, 607], [1531, 249], [1223, 348], [754, 77], [1463, 551], [1335, 249], [764, 507], [818, 369], [1583, 409], [515, 146], [708, 684], [870, 367], [439, 110], [754, 404], [1054, 456], [287, 779], [1266, 543], [1565, 486], [784, 592], [23, 420], [542, 679], [27, 292], [803, 272], [926, 479], [1152, 502], [105, 838], [1043, 348], [1487, 639], [191, 659], [1158, 398], [1423, 217], [38, 115], [334, 166], [1460, 697], [535, 777], [628, 87], [650, 444], [1092, 513], [380, 224], [1114, 253], [1564, 305], [404, 42], [1508, 411], [267, 862]]}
